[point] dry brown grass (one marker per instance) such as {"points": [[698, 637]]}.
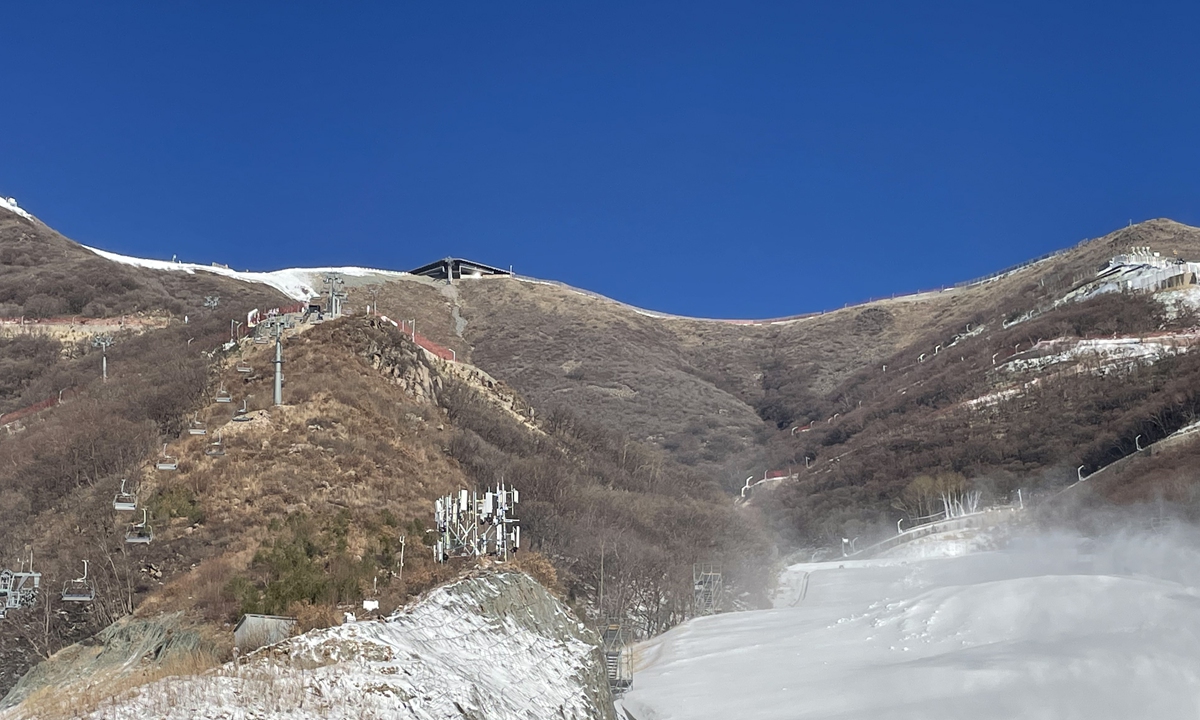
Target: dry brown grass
{"points": [[90, 693], [539, 567]]}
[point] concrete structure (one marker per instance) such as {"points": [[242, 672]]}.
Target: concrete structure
{"points": [[255, 631], [455, 269], [1143, 270]]}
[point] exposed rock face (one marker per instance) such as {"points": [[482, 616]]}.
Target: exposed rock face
{"points": [[425, 377], [405, 365], [123, 648], [496, 646]]}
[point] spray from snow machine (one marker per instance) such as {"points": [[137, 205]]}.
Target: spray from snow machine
{"points": [[471, 524]]}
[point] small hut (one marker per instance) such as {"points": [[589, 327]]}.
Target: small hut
{"points": [[255, 631]]}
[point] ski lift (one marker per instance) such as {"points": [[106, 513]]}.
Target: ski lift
{"points": [[167, 462], [223, 395], [216, 448], [240, 415], [196, 427], [243, 367], [124, 500], [79, 589], [140, 533], [260, 339]]}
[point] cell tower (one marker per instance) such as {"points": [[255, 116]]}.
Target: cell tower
{"points": [[708, 586], [473, 524]]}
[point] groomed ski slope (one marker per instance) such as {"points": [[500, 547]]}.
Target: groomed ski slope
{"points": [[1050, 627]]}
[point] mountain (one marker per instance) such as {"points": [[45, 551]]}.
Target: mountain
{"points": [[631, 434], [308, 508]]}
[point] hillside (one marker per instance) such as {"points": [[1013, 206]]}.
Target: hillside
{"points": [[496, 645], [630, 434], [44, 276], [307, 508]]}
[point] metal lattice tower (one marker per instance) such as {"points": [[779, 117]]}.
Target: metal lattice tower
{"points": [[618, 656], [708, 586], [211, 301], [473, 524]]}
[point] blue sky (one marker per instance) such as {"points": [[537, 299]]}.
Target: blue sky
{"points": [[713, 159]]}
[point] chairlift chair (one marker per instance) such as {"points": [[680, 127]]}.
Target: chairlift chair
{"points": [[79, 589], [243, 367], [223, 395], [124, 500], [140, 533], [216, 448], [260, 339], [240, 415], [167, 462], [196, 427]]}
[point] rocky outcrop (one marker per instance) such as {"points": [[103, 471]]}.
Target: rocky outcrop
{"points": [[128, 646], [494, 646]]}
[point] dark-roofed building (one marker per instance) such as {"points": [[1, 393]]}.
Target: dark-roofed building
{"points": [[456, 268]]}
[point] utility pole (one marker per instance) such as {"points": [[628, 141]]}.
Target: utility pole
{"points": [[600, 602], [278, 327], [373, 290], [103, 342], [400, 577]]}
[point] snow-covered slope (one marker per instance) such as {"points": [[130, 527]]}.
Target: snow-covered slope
{"points": [[1048, 628], [298, 283], [495, 647]]}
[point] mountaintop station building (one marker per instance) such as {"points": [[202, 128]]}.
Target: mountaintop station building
{"points": [[456, 269]]}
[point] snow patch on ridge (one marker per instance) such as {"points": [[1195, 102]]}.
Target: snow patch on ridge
{"points": [[297, 283], [10, 204], [1106, 353]]}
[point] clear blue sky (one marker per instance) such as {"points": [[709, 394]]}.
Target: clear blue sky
{"points": [[715, 159]]}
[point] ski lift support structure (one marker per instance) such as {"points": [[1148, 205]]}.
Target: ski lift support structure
{"points": [[80, 589], [167, 462], [124, 501], [140, 533], [196, 427], [19, 589], [708, 586], [216, 448]]}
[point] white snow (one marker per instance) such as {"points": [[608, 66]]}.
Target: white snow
{"points": [[1095, 355], [1047, 628], [1107, 353], [10, 204], [1179, 299], [298, 283], [439, 659]]}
